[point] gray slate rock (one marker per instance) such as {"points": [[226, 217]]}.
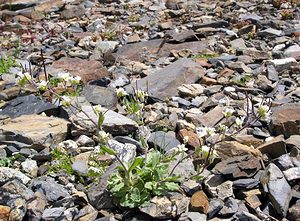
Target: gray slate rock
{"points": [[51, 189], [164, 141], [98, 195], [183, 71], [278, 189], [230, 207], [29, 104], [53, 213], [114, 123], [215, 205], [106, 97]]}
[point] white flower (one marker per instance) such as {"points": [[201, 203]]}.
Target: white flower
{"points": [[42, 85], [228, 112], [94, 169], [66, 101], [201, 131], [97, 108], [263, 112], [141, 95], [205, 151], [239, 121], [121, 92], [65, 76], [74, 80], [103, 136], [223, 128], [179, 149], [205, 148], [211, 131]]}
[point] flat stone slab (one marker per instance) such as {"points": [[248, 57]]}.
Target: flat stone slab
{"points": [[134, 52], [286, 120], [164, 83], [114, 123], [36, 131], [27, 105], [87, 70]]}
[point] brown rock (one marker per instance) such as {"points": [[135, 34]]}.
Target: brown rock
{"points": [[4, 213], [238, 167], [212, 117], [199, 202], [275, 147], [193, 139], [208, 81], [36, 131], [252, 198], [87, 70], [36, 206], [286, 120], [228, 149], [248, 140], [46, 6], [135, 52]]}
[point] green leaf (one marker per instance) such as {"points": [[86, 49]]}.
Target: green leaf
{"points": [[149, 185], [117, 187], [100, 119], [135, 195], [138, 161], [171, 186], [108, 150]]}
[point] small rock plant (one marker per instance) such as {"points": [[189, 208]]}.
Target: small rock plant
{"points": [[134, 183]]}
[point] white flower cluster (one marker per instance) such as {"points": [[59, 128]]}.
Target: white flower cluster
{"points": [[103, 136], [142, 95], [66, 77], [179, 149], [228, 112], [205, 131], [121, 92], [66, 100]]}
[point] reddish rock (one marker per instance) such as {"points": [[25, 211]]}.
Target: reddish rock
{"points": [[228, 149], [193, 139], [275, 147], [208, 81], [4, 213], [294, 213], [199, 202], [87, 70]]}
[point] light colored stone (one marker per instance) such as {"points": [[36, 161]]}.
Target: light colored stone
{"points": [[8, 173], [36, 131]]}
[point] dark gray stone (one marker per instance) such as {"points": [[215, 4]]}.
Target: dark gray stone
{"points": [[53, 213], [278, 189], [246, 216], [215, 205], [25, 105], [162, 140], [106, 97], [230, 207], [98, 195], [51, 189], [164, 83], [80, 167]]}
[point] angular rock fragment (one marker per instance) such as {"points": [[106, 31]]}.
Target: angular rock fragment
{"points": [[278, 189], [34, 131]]}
